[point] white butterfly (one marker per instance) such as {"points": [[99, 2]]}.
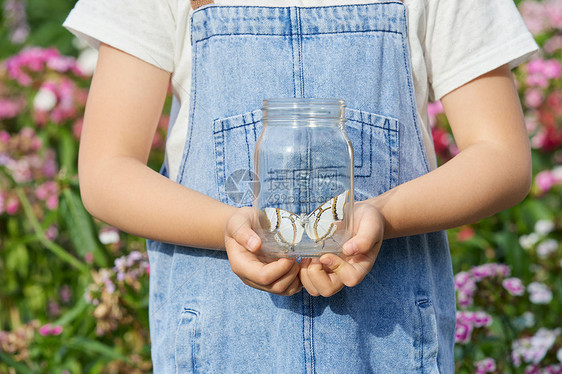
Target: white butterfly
{"points": [[318, 225]]}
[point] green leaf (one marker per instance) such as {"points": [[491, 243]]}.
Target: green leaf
{"points": [[19, 367], [93, 346], [69, 316], [17, 260], [79, 225], [67, 151]]}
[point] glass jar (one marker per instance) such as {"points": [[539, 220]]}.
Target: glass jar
{"points": [[304, 163]]}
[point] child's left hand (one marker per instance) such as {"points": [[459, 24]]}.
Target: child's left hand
{"points": [[327, 275]]}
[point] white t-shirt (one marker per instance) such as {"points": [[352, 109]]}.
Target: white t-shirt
{"points": [[451, 43]]}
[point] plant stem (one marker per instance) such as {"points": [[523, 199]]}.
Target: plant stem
{"points": [[40, 233]]}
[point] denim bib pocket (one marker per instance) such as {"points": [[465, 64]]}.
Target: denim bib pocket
{"points": [[428, 344], [185, 346], [375, 141], [235, 141]]}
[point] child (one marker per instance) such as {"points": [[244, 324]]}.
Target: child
{"points": [[385, 58]]}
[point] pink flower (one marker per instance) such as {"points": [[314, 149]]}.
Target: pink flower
{"points": [[482, 319], [514, 286], [533, 98], [463, 332], [487, 365], [12, 205], [9, 108], [434, 109], [544, 180], [52, 202], [465, 234], [89, 257], [49, 329]]}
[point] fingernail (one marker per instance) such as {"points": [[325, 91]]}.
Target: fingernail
{"points": [[252, 243]]}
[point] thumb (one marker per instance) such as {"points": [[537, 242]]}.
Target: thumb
{"points": [[241, 231]]}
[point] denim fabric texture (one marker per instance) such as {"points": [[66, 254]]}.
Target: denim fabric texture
{"points": [[401, 318]]}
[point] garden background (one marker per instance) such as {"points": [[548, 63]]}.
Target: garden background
{"points": [[73, 291]]}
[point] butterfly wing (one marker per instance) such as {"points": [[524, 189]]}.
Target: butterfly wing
{"points": [[287, 226], [321, 223]]}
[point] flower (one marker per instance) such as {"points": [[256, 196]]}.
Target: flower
{"points": [[539, 293], [49, 329], [533, 349], [544, 227], [463, 332], [45, 99], [487, 365], [514, 286], [545, 248], [109, 235], [527, 241]]}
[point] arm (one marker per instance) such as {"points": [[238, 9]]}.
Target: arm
{"points": [[124, 105], [492, 172]]}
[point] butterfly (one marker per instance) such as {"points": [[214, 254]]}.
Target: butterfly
{"points": [[319, 225]]}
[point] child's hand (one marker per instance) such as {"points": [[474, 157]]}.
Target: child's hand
{"points": [[278, 276], [327, 275]]}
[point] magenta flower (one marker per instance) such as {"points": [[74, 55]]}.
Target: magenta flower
{"points": [[487, 365], [49, 329], [514, 286], [463, 332]]}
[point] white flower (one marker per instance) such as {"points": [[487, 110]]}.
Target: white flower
{"points": [[109, 235], [544, 226], [557, 172], [527, 241], [45, 100], [547, 247], [559, 355], [539, 293], [87, 61]]}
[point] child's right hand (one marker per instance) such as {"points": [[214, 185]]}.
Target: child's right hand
{"points": [[278, 276]]}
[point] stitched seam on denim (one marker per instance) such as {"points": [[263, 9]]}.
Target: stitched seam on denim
{"points": [[247, 150], [377, 126], [190, 126], [421, 339], [307, 7], [291, 35], [194, 314], [303, 331], [234, 127], [299, 28], [293, 53], [395, 164], [406, 55], [312, 356]]}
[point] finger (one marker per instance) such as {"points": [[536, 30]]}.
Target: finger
{"points": [[367, 236], [281, 285], [305, 279], [349, 274], [246, 265], [326, 284], [294, 288], [239, 229]]}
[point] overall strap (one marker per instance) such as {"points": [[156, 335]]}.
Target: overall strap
{"points": [[197, 3]]}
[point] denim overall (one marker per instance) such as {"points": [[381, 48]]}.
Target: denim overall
{"points": [[401, 318]]}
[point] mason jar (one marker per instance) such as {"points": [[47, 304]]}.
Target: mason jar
{"points": [[304, 164]]}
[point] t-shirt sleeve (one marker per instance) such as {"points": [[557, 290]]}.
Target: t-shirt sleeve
{"points": [[142, 28], [465, 39]]}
